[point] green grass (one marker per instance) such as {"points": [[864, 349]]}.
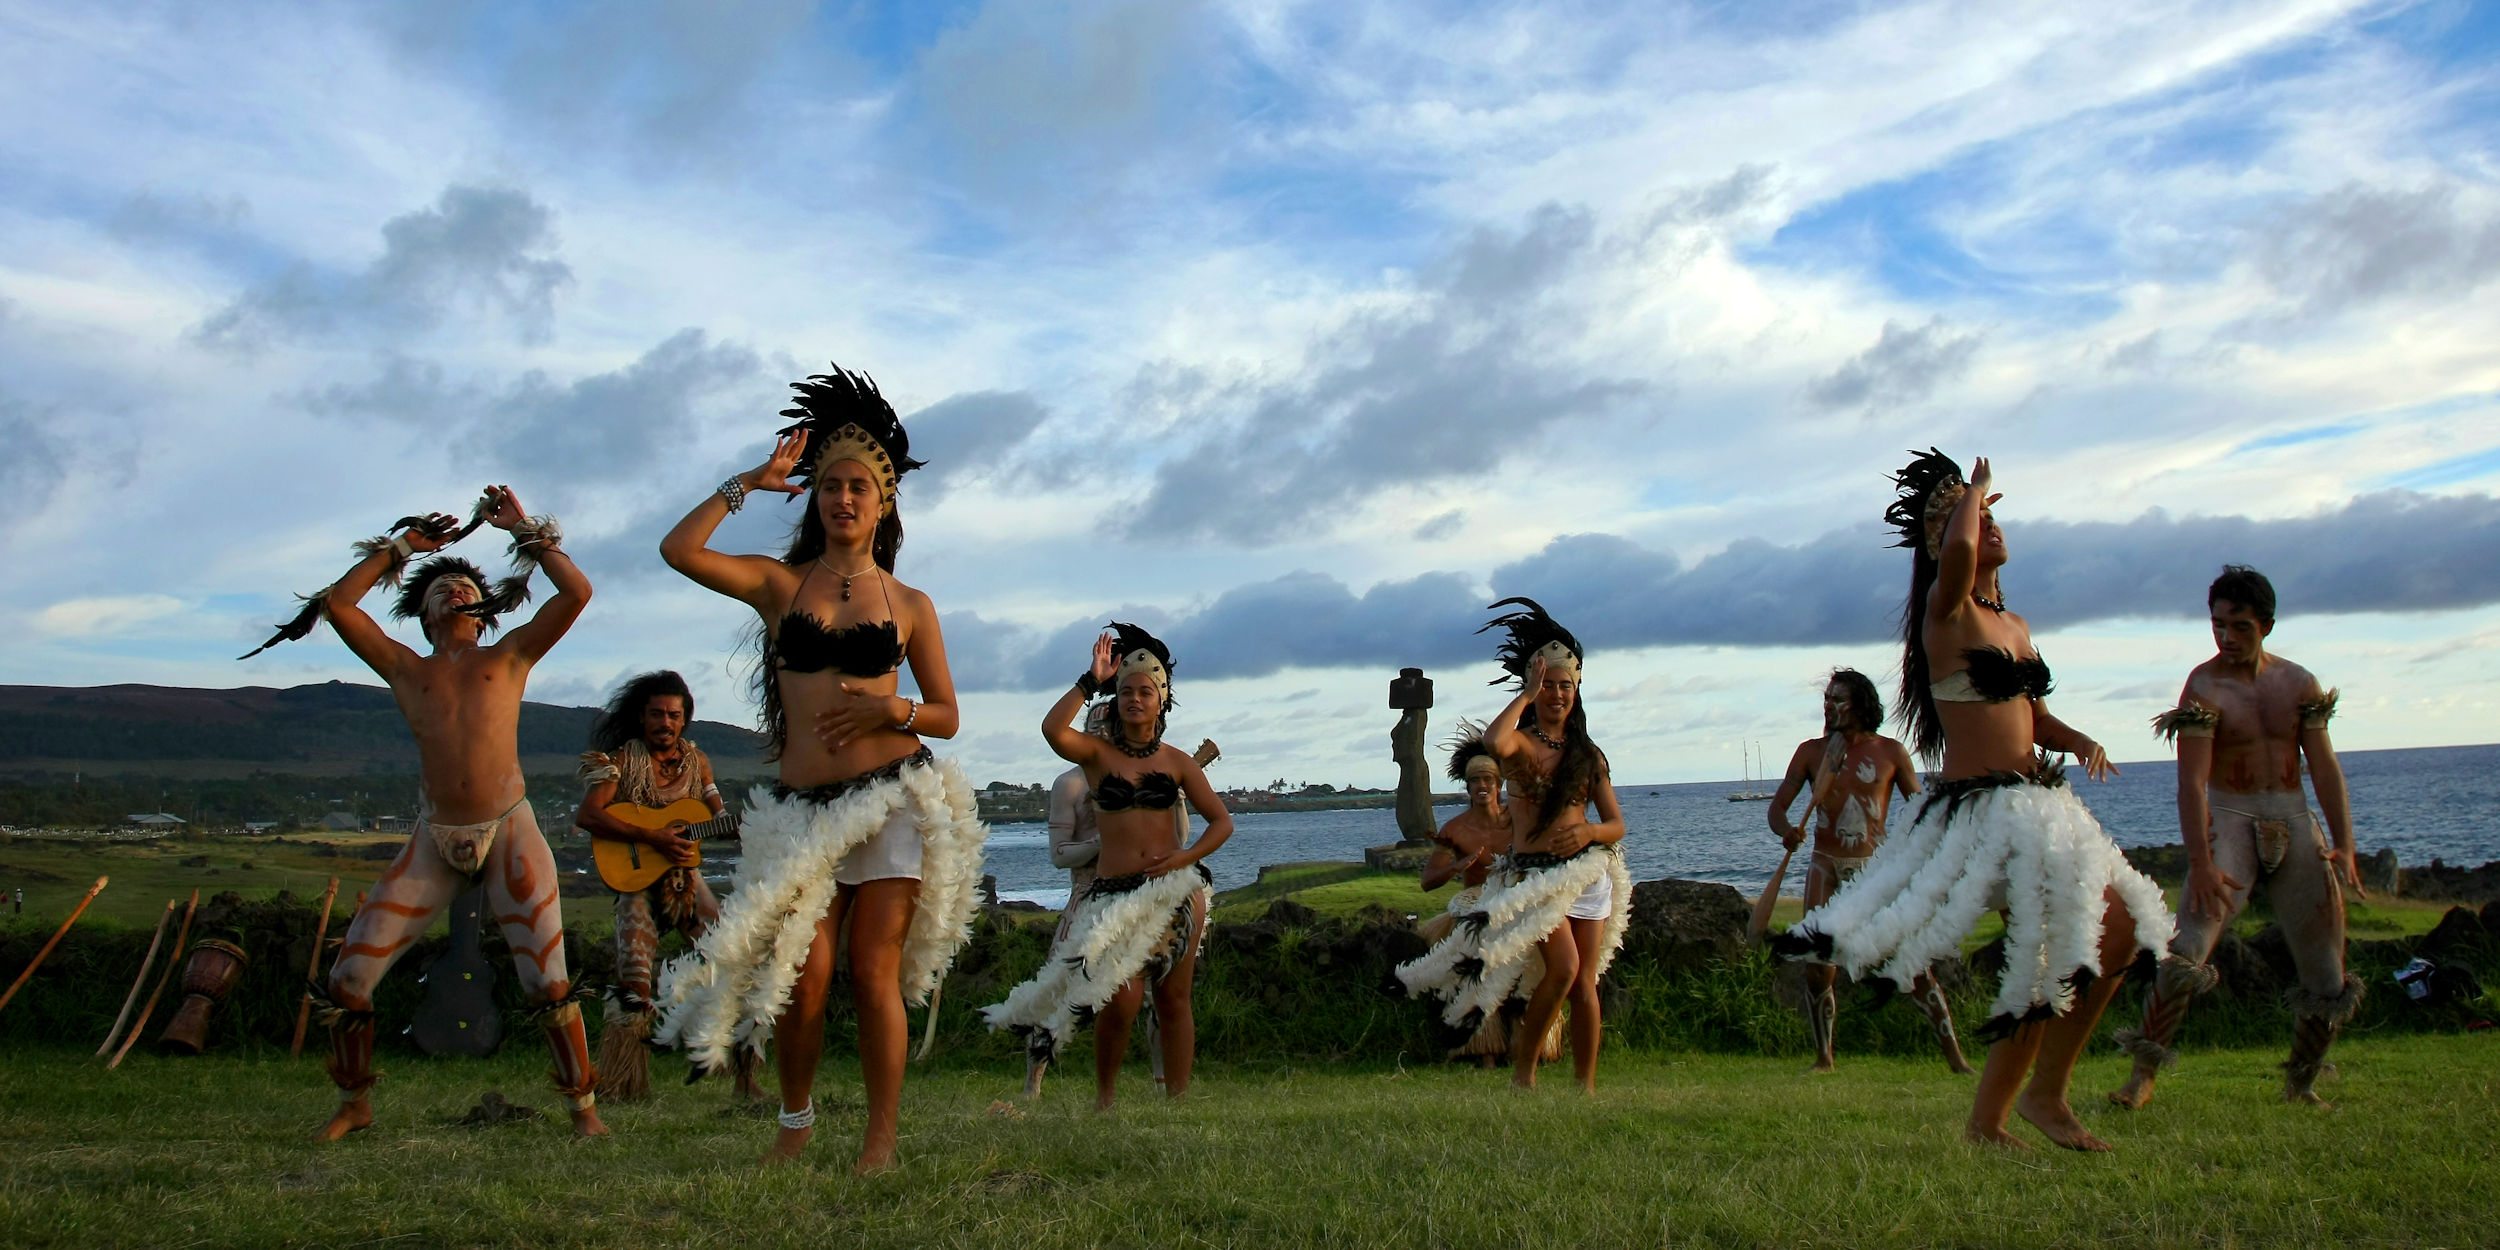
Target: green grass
{"points": [[1676, 1149]]}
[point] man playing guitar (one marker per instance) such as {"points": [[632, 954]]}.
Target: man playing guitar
{"points": [[640, 759]]}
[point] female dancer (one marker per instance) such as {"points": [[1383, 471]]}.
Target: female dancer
{"points": [[2000, 829], [1140, 922], [864, 828], [1562, 913]]}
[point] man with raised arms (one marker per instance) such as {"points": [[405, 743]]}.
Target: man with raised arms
{"points": [[2246, 721], [1850, 774], [462, 702]]}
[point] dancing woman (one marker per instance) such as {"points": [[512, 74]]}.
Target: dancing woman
{"points": [[1559, 917], [1137, 927], [1999, 829], [865, 831]]}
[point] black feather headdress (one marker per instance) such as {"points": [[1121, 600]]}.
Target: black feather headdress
{"points": [[846, 418], [1139, 651], [1531, 631], [1466, 747], [1915, 498]]}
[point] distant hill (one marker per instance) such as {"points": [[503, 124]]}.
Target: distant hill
{"points": [[331, 729]]}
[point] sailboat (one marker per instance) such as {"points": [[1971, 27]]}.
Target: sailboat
{"points": [[1749, 794]]}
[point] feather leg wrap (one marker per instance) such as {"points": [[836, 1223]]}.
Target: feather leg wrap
{"points": [[2029, 847], [1491, 952], [740, 975], [1109, 940]]}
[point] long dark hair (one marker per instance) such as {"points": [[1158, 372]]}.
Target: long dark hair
{"points": [[1576, 769], [621, 721], [1917, 710], [1866, 708], [807, 544]]}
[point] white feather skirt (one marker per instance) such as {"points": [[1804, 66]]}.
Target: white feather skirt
{"points": [[2031, 848], [728, 991], [1107, 940], [1491, 955]]}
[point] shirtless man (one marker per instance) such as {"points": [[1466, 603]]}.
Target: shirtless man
{"points": [[2245, 722], [1465, 849], [1850, 775], [463, 705]]}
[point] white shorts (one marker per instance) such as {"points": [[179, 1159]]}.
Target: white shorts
{"points": [[892, 851], [1596, 902]]}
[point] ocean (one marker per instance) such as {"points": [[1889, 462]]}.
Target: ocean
{"points": [[2425, 803]]}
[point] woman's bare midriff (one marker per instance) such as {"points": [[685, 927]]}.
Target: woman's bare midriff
{"points": [[805, 760], [1133, 840], [1983, 738]]}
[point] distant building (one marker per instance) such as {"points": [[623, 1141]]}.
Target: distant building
{"points": [[156, 820], [342, 822], [259, 826]]}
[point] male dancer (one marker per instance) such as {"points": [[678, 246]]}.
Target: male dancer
{"points": [[2246, 720], [1850, 774], [640, 755], [463, 705]]}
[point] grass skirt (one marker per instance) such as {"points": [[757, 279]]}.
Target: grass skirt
{"points": [[2027, 846], [1490, 955], [1109, 939], [739, 976]]}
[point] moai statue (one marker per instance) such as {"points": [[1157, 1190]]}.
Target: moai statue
{"points": [[1411, 695]]}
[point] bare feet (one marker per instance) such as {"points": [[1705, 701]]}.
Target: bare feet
{"points": [[2300, 1097], [1104, 1098], [788, 1143], [1523, 1078], [586, 1123], [1996, 1136], [1822, 1066], [352, 1116], [2058, 1122], [875, 1158], [2135, 1093], [1954, 1061]]}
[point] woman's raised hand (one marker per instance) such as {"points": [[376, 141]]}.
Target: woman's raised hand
{"points": [[1534, 679], [774, 473], [1105, 663]]}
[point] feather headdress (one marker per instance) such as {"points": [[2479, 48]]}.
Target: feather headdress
{"points": [[1468, 754], [1141, 652], [845, 418], [1533, 633], [1927, 488]]}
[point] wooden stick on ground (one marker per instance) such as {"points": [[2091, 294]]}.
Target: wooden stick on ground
{"points": [[1761, 922], [173, 960], [312, 971], [57, 935], [141, 979]]}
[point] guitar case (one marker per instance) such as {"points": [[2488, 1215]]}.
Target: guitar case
{"points": [[458, 1016]]}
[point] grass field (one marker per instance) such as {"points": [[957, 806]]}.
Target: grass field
{"points": [[1675, 1150]]}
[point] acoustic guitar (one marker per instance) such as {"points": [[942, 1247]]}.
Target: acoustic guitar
{"points": [[631, 866], [458, 1016]]}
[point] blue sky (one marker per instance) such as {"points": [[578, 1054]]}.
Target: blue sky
{"points": [[1300, 330]]}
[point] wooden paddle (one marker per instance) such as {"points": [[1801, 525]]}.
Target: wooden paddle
{"points": [[1761, 922], [312, 970], [141, 979], [173, 959], [57, 935]]}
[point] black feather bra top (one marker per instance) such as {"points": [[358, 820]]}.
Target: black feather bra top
{"points": [[1154, 791], [867, 649], [1994, 676]]}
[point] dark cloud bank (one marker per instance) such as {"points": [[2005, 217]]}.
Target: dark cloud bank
{"points": [[2394, 551]]}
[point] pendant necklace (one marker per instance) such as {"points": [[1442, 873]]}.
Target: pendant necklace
{"points": [[846, 577]]}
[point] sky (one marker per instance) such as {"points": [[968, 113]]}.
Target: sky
{"points": [[1296, 332]]}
